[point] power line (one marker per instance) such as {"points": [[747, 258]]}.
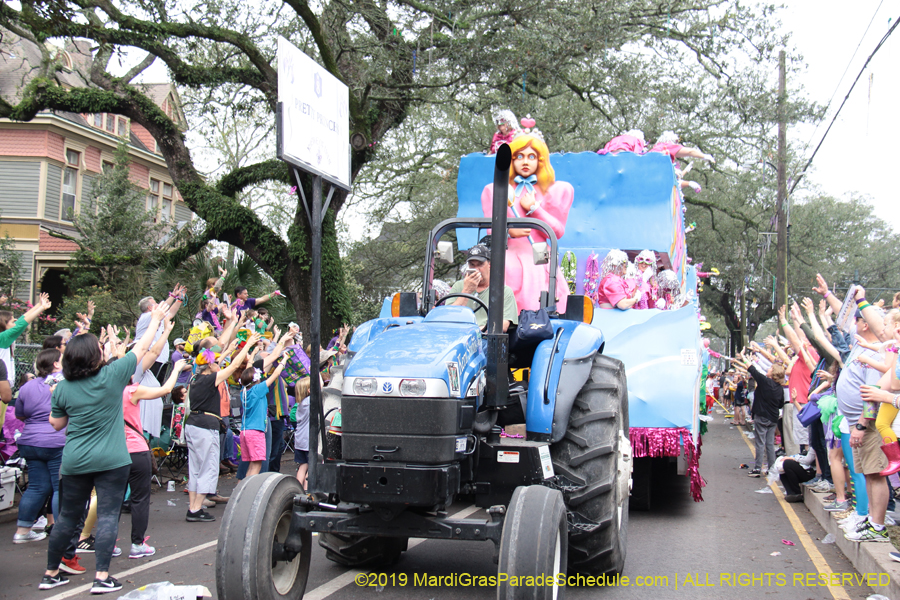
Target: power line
{"points": [[850, 91], [844, 74]]}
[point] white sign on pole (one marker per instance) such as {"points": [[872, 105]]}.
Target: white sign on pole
{"points": [[315, 118]]}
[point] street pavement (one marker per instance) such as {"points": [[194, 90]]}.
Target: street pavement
{"points": [[724, 547]]}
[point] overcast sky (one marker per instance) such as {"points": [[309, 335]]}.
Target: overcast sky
{"points": [[860, 154]]}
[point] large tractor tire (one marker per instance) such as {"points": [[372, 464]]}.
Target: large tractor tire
{"points": [[256, 521], [362, 551], [533, 544], [595, 456]]}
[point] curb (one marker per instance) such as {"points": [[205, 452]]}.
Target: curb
{"points": [[866, 557]]}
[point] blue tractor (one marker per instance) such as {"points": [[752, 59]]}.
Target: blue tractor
{"points": [[422, 397]]}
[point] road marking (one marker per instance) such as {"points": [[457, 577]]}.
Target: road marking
{"points": [[144, 567], [818, 560], [345, 579]]}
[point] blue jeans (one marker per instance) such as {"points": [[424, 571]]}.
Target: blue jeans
{"points": [[43, 480], [244, 464]]}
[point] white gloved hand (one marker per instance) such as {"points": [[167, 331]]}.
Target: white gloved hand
{"points": [[709, 158], [646, 275]]}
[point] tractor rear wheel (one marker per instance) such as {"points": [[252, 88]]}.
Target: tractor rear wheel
{"points": [[534, 544], [595, 456]]}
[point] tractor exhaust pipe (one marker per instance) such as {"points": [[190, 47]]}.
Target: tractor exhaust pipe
{"points": [[496, 394]]}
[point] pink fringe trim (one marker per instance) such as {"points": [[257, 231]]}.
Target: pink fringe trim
{"points": [[660, 441]]}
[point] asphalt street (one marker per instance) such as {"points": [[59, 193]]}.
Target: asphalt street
{"points": [[729, 546]]}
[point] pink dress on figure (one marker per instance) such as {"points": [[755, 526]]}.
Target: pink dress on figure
{"points": [[500, 139], [671, 150], [526, 279], [623, 143]]}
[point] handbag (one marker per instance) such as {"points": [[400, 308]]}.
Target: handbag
{"points": [[809, 414], [534, 326]]}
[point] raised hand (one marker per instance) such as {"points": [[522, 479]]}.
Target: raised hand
{"points": [[254, 337], [809, 306], [781, 312], [860, 292], [159, 312], [91, 308], [863, 343], [44, 301], [821, 286]]}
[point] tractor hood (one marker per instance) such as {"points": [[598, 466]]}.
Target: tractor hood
{"points": [[449, 352]]}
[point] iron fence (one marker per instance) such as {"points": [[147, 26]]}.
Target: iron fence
{"points": [[25, 355]]}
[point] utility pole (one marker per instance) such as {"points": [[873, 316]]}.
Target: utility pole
{"points": [[781, 264]]}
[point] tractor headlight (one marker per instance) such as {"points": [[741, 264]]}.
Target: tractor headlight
{"points": [[365, 386], [412, 387]]}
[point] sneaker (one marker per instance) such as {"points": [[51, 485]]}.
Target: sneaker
{"points": [[141, 550], [830, 498], [869, 534], [31, 536], [793, 498], [71, 566], [842, 515], [106, 586], [857, 525], [208, 503], [836, 506], [201, 516], [812, 481], [117, 551], [889, 521], [40, 524], [85, 546], [823, 487], [754, 473], [895, 556], [48, 582]]}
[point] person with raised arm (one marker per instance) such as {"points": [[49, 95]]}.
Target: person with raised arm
{"points": [[88, 403]]}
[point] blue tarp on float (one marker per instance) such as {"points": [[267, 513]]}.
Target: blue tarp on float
{"points": [[630, 202]]}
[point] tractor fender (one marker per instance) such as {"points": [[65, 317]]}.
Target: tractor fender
{"points": [[576, 345]]}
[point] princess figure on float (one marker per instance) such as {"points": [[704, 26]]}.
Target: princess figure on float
{"points": [[533, 192]]}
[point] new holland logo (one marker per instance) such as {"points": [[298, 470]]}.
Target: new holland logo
{"points": [[387, 387]]}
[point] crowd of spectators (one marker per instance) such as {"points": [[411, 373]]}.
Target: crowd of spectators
{"points": [[92, 409], [828, 387]]}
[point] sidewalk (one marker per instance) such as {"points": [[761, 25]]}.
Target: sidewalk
{"points": [[866, 557]]}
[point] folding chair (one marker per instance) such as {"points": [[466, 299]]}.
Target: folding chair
{"points": [[175, 457]]}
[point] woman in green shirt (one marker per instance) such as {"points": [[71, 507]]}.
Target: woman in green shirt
{"points": [[89, 404]]}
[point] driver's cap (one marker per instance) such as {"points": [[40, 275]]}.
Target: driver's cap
{"points": [[478, 252]]}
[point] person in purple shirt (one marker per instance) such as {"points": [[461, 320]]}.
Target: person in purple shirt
{"points": [[243, 301], [185, 376], [40, 445]]}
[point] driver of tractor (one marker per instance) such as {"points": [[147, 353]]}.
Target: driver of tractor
{"points": [[476, 282]]}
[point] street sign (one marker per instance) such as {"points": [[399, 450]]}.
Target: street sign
{"points": [[314, 128]]}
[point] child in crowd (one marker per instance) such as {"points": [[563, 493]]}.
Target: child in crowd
{"points": [[301, 432], [256, 417]]}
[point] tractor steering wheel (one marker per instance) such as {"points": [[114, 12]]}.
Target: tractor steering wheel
{"points": [[476, 299]]}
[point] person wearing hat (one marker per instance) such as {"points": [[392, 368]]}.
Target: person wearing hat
{"points": [[477, 281], [185, 376]]}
